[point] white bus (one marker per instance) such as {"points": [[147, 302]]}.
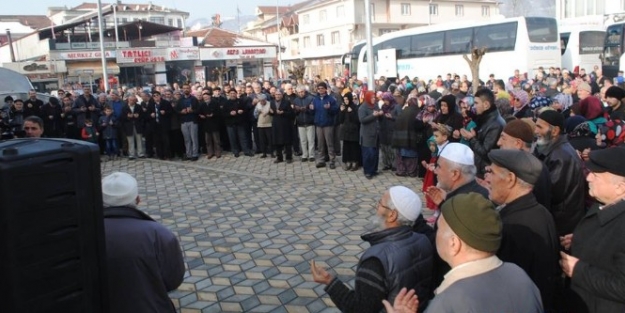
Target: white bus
{"points": [[350, 59], [581, 48], [523, 43]]}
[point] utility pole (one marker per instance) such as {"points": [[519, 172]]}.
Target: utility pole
{"points": [[279, 43], [370, 56], [102, 54]]}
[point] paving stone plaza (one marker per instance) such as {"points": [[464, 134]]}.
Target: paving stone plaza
{"points": [[249, 228]]}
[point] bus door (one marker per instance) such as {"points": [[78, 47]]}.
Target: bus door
{"points": [[387, 63], [613, 51]]}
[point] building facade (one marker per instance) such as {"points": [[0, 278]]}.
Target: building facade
{"points": [[579, 8], [318, 33]]}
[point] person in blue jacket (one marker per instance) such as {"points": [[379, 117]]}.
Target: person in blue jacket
{"points": [[325, 109]]}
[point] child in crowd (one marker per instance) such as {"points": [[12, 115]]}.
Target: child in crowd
{"points": [[436, 143], [108, 127], [89, 132]]}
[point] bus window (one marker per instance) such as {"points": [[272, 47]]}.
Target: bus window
{"points": [[499, 37], [458, 41], [614, 35], [425, 45], [400, 44], [591, 42], [564, 42], [541, 29]]}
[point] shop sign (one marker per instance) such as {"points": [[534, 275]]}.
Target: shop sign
{"points": [[141, 55], [40, 67], [82, 55], [238, 53], [183, 54]]}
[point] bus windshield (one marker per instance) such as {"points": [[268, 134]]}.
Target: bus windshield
{"points": [[542, 29], [591, 42]]}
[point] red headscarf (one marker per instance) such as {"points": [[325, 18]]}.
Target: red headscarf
{"points": [[368, 95]]}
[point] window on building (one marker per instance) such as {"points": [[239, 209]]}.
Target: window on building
{"points": [[157, 20], [306, 19], [433, 9], [124, 20], [622, 4], [306, 43], [405, 9], [322, 15], [179, 21], [383, 31], [170, 22], [336, 38], [340, 11], [459, 10], [373, 12], [590, 7], [485, 10], [320, 40]]}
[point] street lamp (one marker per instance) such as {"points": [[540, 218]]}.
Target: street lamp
{"points": [[140, 28]]}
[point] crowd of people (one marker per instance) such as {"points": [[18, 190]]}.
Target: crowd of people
{"points": [[523, 174]]}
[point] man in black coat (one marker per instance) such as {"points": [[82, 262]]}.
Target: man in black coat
{"points": [[51, 116], [86, 106], [144, 259], [32, 106], [529, 237], [235, 114], [489, 126], [282, 126], [159, 113], [596, 264], [565, 171]]}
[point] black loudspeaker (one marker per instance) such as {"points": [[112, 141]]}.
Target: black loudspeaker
{"points": [[52, 247]]}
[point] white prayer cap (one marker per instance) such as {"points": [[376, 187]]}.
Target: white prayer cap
{"points": [[406, 201], [119, 189], [458, 153]]}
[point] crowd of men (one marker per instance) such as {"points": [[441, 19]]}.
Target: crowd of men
{"points": [[524, 172]]}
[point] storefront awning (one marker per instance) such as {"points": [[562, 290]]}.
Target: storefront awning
{"points": [[91, 68]]}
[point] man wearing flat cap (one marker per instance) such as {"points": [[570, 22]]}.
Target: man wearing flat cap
{"points": [[144, 260], [469, 235], [565, 171], [519, 135], [397, 258], [596, 264], [529, 237]]}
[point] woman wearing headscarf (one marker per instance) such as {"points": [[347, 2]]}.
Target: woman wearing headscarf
{"points": [[369, 117], [350, 133], [387, 123], [427, 115], [562, 103], [449, 116], [406, 138]]}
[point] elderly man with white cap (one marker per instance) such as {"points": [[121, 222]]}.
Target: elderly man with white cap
{"points": [[455, 171], [397, 258], [144, 260]]}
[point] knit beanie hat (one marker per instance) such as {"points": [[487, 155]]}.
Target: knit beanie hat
{"points": [[553, 118], [474, 219], [615, 92], [520, 130]]}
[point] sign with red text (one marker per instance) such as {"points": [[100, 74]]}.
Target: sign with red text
{"points": [[141, 55], [183, 54], [238, 53], [81, 55]]}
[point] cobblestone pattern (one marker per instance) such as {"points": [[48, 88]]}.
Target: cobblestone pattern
{"points": [[249, 228]]}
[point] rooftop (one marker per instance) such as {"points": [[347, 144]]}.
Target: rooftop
{"points": [[32, 21]]}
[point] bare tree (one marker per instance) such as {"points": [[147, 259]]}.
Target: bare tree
{"points": [[518, 7], [474, 63], [220, 72], [298, 70]]}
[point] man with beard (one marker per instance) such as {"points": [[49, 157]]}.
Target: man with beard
{"points": [[234, 114], [188, 109], [160, 112], [32, 105], [86, 107], [565, 171], [397, 258], [51, 115]]}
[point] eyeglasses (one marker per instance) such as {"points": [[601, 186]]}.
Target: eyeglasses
{"points": [[383, 206]]}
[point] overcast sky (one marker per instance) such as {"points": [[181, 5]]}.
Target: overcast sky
{"points": [[197, 8]]}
